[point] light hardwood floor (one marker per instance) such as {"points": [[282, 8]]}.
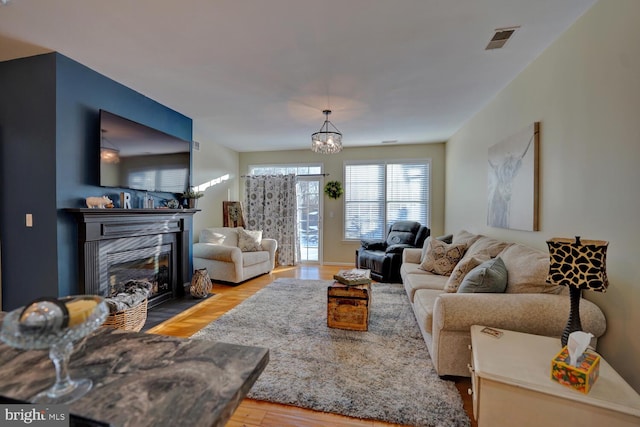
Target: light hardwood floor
{"points": [[253, 413]]}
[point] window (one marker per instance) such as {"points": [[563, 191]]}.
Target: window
{"points": [[378, 194]]}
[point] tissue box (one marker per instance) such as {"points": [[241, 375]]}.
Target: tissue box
{"points": [[581, 377]]}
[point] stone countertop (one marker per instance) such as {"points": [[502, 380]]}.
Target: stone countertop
{"points": [[143, 379]]}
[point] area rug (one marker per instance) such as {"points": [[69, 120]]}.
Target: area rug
{"points": [[383, 374]]}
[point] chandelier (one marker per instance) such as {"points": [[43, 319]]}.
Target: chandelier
{"points": [[326, 141]]}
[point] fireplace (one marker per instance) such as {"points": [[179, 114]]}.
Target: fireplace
{"points": [[150, 258], [150, 264], [116, 245]]}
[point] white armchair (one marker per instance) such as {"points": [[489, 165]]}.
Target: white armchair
{"points": [[218, 251]]}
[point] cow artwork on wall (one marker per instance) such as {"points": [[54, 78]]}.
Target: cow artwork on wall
{"points": [[513, 181]]}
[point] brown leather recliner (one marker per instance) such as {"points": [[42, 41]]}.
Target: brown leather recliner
{"points": [[384, 257]]}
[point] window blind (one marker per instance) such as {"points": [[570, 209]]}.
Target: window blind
{"points": [[378, 194]]}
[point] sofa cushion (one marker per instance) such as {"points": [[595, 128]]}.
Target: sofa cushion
{"points": [[488, 277], [220, 236], [373, 245], [421, 279], [249, 240], [465, 237], [528, 269], [397, 249], [486, 246], [252, 258], [461, 269], [403, 232], [441, 258], [423, 303]]}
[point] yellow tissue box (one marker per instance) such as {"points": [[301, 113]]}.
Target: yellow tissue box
{"points": [[581, 377]]}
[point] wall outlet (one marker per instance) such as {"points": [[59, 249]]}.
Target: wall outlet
{"points": [[29, 220]]}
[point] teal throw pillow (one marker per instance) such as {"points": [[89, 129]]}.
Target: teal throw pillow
{"points": [[488, 277]]}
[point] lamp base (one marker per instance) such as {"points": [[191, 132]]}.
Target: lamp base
{"points": [[573, 324]]}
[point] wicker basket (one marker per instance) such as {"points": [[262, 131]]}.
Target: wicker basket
{"points": [[131, 319]]}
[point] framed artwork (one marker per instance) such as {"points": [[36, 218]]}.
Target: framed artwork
{"points": [[513, 181], [232, 214]]}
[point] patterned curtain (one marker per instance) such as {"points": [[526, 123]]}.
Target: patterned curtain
{"points": [[271, 207]]}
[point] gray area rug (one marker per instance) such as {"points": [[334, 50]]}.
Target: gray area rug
{"points": [[383, 374]]}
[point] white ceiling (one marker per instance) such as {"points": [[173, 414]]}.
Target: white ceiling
{"points": [[255, 75]]}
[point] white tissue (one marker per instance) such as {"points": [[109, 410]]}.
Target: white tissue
{"points": [[577, 344]]}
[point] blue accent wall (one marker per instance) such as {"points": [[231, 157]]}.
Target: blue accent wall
{"points": [[27, 158], [49, 135]]}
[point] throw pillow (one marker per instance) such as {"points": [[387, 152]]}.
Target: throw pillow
{"points": [[446, 238], [211, 236], [249, 241], [488, 277], [460, 271], [441, 257], [425, 246]]}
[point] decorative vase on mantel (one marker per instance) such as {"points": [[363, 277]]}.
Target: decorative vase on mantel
{"points": [[192, 203], [200, 284]]}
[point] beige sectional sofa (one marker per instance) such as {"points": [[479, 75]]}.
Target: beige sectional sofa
{"points": [[529, 304], [219, 251]]}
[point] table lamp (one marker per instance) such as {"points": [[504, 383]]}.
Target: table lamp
{"points": [[578, 265]]}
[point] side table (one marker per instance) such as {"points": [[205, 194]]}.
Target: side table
{"points": [[512, 386]]}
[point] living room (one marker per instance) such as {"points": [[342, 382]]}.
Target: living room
{"points": [[583, 89]]}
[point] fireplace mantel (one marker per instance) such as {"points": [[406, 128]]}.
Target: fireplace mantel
{"points": [[97, 227]]}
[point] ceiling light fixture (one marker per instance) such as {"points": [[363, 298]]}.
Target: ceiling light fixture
{"points": [[108, 154], [326, 141]]}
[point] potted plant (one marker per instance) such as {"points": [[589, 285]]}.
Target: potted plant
{"points": [[192, 196]]}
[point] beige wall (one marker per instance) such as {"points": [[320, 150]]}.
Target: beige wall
{"points": [[585, 91], [336, 250], [211, 165]]}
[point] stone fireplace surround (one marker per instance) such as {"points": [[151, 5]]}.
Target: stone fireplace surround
{"points": [[108, 235]]}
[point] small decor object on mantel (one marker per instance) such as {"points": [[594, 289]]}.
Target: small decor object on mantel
{"points": [[99, 202], [192, 196], [333, 189], [200, 284], [173, 204]]}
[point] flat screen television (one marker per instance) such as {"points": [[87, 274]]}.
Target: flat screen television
{"points": [[137, 157]]}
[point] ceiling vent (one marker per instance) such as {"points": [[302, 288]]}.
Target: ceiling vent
{"points": [[390, 141], [501, 37]]}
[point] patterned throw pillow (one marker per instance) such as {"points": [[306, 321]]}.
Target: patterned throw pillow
{"points": [[460, 271], [425, 246], [446, 238], [441, 258], [249, 241]]}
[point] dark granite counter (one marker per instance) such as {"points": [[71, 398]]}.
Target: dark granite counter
{"points": [[143, 379]]}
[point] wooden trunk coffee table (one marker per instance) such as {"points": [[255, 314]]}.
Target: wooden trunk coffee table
{"points": [[348, 306]]}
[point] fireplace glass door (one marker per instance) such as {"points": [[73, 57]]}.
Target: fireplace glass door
{"points": [[150, 264]]}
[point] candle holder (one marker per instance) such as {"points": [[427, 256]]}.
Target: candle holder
{"points": [[58, 336]]}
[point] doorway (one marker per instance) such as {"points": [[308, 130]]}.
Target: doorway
{"points": [[309, 207]]}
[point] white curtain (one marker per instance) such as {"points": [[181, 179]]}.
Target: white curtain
{"points": [[271, 207]]}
